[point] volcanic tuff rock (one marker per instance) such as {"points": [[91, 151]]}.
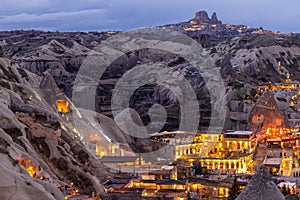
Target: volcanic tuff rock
{"points": [[32, 131], [202, 24], [256, 57], [247, 58], [214, 19], [261, 187], [202, 16]]}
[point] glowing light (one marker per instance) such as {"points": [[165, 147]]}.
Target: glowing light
{"points": [[193, 22], [31, 171], [62, 106]]}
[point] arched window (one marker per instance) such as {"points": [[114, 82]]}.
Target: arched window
{"points": [[226, 165]]}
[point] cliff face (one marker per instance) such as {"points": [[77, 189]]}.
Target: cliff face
{"points": [[202, 16], [59, 54], [267, 114], [35, 139]]}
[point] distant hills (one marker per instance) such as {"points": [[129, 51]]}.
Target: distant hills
{"points": [[244, 56], [203, 24]]}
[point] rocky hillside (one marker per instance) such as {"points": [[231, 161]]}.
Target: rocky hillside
{"points": [[203, 24], [41, 149], [255, 58], [245, 57]]}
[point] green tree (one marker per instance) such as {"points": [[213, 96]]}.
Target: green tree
{"points": [[285, 190], [234, 191], [198, 168], [253, 92], [288, 190]]}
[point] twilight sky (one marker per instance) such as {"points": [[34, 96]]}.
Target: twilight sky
{"points": [[102, 15]]}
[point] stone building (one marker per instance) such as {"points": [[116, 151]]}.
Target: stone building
{"points": [[266, 114], [229, 151]]}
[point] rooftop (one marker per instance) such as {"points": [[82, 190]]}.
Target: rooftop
{"points": [[272, 161], [118, 159], [167, 182], [287, 184], [238, 132]]}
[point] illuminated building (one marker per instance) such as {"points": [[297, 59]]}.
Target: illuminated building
{"points": [[266, 114], [229, 151], [282, 150], [210, 189], [111, 33], [121, 163], [279, 66], [179, 188], [193, 22], [292, 186], [175, 189]]}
